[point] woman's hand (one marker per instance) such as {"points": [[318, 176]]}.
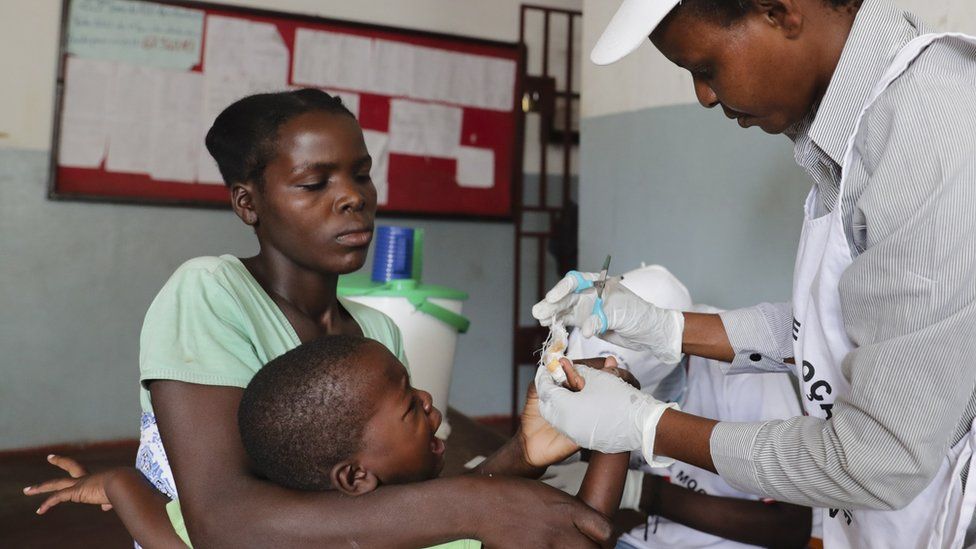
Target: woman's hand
{"points": [[631, 322], [608, 415], [80, 487], [542, 443]]}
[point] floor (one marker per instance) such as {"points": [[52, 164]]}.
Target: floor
{"points": [[84, 526]]}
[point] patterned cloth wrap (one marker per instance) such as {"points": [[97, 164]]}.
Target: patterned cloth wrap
{"points": [[151, 459]]}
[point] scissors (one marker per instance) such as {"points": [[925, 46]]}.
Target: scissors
{"points": [[600, 283]]}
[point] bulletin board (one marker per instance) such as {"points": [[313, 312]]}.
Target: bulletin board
{"points": [[140, 83]]}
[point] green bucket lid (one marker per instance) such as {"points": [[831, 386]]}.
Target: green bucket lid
{"points": [[417, 294]]}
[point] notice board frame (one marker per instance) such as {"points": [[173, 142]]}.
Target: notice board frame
{"points": [[515, 170]]}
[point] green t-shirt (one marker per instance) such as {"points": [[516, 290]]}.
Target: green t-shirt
{"points": [[213, 324]]}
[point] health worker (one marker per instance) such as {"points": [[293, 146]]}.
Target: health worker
{"points": [[880, 330]]}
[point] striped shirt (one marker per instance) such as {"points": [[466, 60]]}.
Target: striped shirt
{"points": [[909, 298]]}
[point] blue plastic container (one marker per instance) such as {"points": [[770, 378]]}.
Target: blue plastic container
{"points": [[393, 254]]}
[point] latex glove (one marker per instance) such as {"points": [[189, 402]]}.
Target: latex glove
{"points": [[608, 415], [569, 478], [631, 321]]}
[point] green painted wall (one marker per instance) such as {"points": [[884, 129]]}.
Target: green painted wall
{"points": [[687, 188]]}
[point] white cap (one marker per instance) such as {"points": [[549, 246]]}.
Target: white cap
{"points": [[630, 26], [657, 285]]}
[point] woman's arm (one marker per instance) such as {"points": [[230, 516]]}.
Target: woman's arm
{"points": [[705, 336], [224, 505], [746, 521]]}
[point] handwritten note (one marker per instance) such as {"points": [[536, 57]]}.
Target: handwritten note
{"points": [[84, 131], [241, 58], [328, 59], [136, 32], [424, 129]]}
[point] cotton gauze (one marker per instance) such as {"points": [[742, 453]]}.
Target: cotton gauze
{"points": [[553, 349]]}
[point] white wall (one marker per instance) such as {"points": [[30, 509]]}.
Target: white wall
{"points": [[645, 79], [75, 279]]}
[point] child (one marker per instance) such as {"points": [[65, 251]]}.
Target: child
{"points": [[337, 413]]}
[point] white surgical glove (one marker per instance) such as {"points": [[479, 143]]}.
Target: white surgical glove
{"points": [[608, 415], [631, 321], [569, 479]]}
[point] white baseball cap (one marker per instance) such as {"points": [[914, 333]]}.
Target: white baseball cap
{"points": [[657, 285], [630, 26]]}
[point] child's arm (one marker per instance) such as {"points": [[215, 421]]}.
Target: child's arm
{"points": [[604, 481], [138, 504], [775, 524]]}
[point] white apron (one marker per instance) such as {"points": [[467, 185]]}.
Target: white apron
{"points": [[938, 517]]}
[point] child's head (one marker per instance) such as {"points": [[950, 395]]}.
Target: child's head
{"points": [[299, 173], [339, 413]]}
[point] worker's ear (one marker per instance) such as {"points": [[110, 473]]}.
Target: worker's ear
{"points": [[353, 479], [242, 200], [783, 15]]}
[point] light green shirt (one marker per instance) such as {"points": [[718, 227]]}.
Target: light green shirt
{"points": [[213, 324]]}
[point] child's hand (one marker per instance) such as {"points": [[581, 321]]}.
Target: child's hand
{"points": [[80, 488], [542, 445]]}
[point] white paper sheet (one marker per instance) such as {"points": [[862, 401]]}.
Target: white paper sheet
{"points": [[255, 50], [140, 33], [467, 80], [500, 88], [377, 143], [438, 75], [327, 59], [393, 68], [221, 88], [176, 126], [335, 60], [84, 131], [130, 118], [432, 76], [424, 129], [241, 58], [476, 168]]}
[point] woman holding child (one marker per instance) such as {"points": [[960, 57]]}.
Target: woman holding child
{"points": [[299, 176]]}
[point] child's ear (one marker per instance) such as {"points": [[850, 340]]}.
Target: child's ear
{"points": [[352, 479]]}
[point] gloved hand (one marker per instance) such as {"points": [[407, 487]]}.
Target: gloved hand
{"points": [[608, 415], [631, 321], [569, 478]]}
